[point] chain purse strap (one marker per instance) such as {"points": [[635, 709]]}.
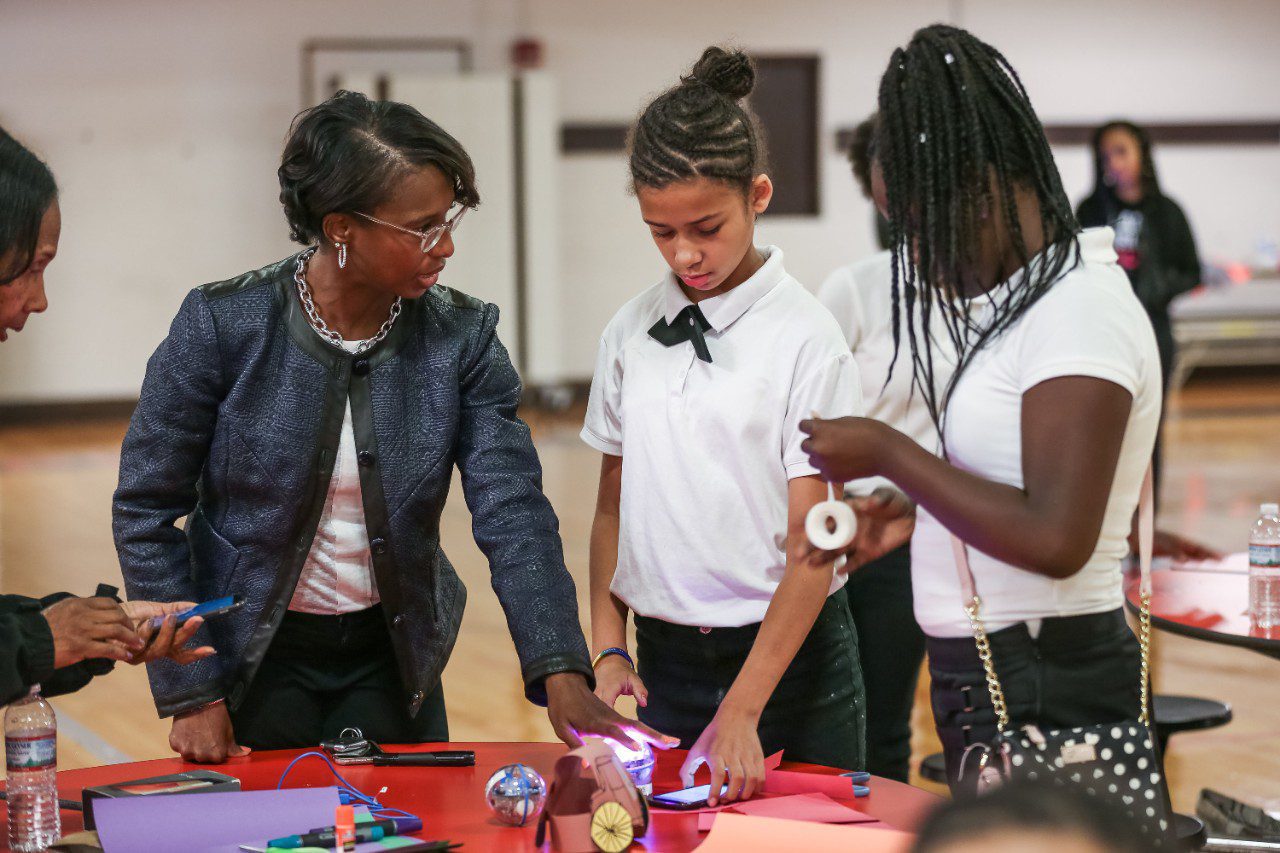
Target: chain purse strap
{"points": [[973, 608]]}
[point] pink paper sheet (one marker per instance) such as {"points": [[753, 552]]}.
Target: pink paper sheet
{"points": [[794, 782], [734, 833], [816, 808]]}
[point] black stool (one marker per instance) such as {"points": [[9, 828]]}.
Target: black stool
{"points": [[934, 768], [1173, 714]]}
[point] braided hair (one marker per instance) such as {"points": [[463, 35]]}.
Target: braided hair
{"points": [[958, 137], [698, 128]]}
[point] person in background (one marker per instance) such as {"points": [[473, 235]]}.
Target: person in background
{"points": [[890, 643], [1029, 816], [860, 155], [1153, 239], [61, 641], [306, 419]]}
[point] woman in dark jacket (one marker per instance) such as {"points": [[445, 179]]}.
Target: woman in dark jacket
{"points": [[305, 419], [1153, 239]]}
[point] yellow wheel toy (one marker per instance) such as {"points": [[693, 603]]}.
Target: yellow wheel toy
{"points": [[611, 828]]}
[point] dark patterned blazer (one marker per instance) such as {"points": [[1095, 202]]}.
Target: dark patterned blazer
{"points": [[236, 431]]}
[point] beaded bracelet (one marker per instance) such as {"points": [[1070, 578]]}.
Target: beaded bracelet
{"points": [[622, 653]]}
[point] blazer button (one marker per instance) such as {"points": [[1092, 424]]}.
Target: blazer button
{"points": [[378, 546], [397, 621], [360, 367], [366, 458], [417, 697]]}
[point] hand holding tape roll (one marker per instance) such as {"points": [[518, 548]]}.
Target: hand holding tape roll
{"points": [[830, 525]]}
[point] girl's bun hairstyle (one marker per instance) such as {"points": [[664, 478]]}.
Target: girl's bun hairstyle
{"points": [[731, 73], [698, 128]]}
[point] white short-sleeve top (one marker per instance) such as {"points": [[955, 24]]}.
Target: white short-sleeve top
{"points": [[709, 448], [1089, 323]]}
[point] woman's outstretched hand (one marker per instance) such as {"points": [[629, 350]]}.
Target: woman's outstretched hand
{"points": [[576, 712]]}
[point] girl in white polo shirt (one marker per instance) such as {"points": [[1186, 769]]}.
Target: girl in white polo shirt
{"points": [[1049, 419], [744, 641]]}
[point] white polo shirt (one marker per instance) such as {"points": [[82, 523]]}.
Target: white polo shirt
{"points": [[860, 296], [708, 449], [1089, 323]]}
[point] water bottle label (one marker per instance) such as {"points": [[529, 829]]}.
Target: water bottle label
{"points": [[1264, 556], [31, 753]]}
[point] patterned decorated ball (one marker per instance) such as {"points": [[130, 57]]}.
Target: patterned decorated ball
{"points": [[516, 794]]}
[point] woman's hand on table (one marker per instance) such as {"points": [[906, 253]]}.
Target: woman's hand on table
{"points": [[205, 735], [730, 747], [1177, 548], [615, 677], [170, 639], [575, 712]]}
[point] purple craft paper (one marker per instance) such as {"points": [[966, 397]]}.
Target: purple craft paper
{"points": [[210, 823]]}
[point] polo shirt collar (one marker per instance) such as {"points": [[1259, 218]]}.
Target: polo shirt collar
{"points": [[721, 311]]}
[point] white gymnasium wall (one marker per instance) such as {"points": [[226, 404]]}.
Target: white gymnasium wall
{"points": [[1082, 61], [163, 121]]}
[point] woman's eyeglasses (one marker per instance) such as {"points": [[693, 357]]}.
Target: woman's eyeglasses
{"points": [[430, 238]]}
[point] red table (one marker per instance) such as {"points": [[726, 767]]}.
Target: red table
{"points": [[450, 801], [1206, 601]]}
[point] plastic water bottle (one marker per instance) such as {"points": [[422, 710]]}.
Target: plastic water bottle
{"points": [[31, 753], [1264, 568]]}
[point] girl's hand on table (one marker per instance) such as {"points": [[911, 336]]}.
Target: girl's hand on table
{"points": [[730, 747]]}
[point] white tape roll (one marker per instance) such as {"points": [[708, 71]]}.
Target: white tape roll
{"points": [[816, 524]]}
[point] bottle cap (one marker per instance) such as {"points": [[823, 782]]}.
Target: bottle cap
{"points": [[1271, 509]]}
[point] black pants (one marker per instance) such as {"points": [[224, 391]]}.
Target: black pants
{"points": [[324, 673], [890, 649], [817, 713], [1080, 671]]}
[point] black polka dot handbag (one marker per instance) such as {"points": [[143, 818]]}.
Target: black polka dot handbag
{"points": [[1114, 761]]}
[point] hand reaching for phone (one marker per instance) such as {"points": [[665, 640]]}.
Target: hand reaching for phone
{"points": [[170, 639], [730, 747]]}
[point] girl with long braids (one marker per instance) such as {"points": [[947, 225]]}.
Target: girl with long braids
{"points": [[1051, 413], [745, 645]]}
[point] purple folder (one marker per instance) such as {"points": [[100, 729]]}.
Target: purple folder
{"points": [[210, 823]]}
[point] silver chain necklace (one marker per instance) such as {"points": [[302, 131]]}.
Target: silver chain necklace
{"points": [[317, 322]]}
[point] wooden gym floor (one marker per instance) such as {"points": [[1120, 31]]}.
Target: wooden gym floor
{"points": [[1223, 454]]}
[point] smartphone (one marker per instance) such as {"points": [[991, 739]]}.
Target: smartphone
{"points": [[209, 610], [686, 799]]}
